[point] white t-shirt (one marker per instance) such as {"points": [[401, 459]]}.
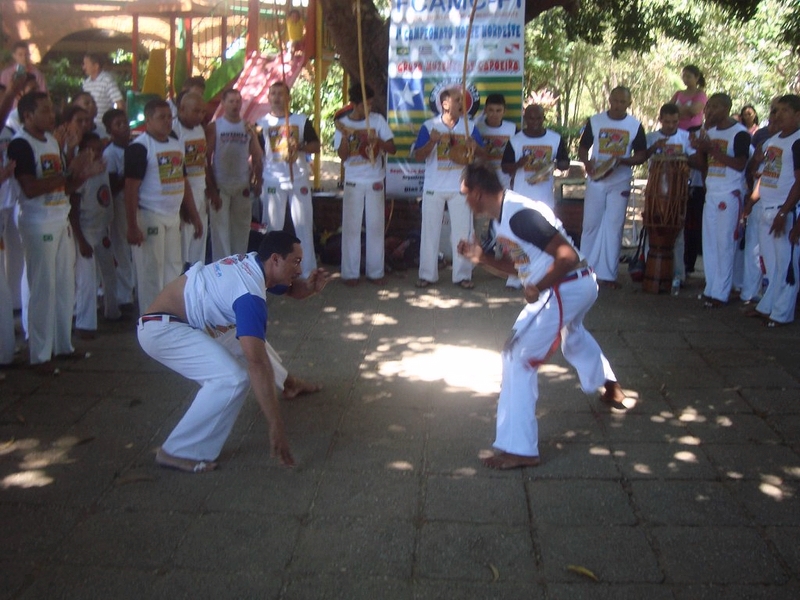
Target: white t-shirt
{"points": [[495, 140], [543, 151], [719, 177], [53, 206], [97, 210], [276, 169], [614, 139], [441, 173], [161, 165], [231, 154], [357, 167], [781, 156], [194, 148]]}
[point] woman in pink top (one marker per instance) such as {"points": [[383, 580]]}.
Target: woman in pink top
{"points": [[749, 118], [692, 100]]}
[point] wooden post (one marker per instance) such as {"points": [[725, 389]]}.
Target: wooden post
{"points": [[187, 26], [223, 37], [252, 26], [318, 89], [135, 52]]}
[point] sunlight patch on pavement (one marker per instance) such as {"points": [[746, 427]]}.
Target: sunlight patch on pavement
{"points": [[459, 367]]}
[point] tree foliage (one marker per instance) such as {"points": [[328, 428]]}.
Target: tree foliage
{"points": [[623, 25]]}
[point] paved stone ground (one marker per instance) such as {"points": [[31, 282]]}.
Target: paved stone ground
{"points": [[695, 494]]}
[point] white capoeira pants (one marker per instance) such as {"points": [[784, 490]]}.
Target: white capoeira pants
{"points": [[7, 336], [14, 255], [158, 258], [221, 371], [780, 297], [461, 228], [747, 275], [274, 199], [604, 210], [50, 270], [720, 217], [86, 269], [193, 249], [230, 225], [367, 200], [536, 334], [122, 252]]}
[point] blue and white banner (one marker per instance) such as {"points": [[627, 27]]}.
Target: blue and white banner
{"points": [[426, 55]]}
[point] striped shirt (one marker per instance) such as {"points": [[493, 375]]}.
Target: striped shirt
{"points": [[104, 90]]}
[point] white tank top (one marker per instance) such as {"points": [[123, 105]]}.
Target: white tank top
{"points": [[231, 154]]}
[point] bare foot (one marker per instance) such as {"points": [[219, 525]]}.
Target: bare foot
{"points": [[186, 465], [616, 398], [505, 460], [294, 387]]}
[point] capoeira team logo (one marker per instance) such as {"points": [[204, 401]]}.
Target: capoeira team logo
{"points": [[773, 160], [170, 167], [51, 165], [613, 142], [715, 167], [104, 196], [472, 102], [538, 156], [195, 157], [495, 145]]}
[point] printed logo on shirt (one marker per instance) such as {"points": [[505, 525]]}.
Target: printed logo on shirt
{"points": [[495, 145], [170, 167], [272, 190], [279, 137], [152, 231], [614, 142], [539, 157], [48, 237], [716, 168], [514, 251], [195, 157], [673, 150], [443, 148], [51, 165], [773, 161], [104, 196]]}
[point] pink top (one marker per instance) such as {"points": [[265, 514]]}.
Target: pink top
{"points": [[682, 98]]}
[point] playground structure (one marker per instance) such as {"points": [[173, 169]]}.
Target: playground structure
{"points": [[222, 40]]}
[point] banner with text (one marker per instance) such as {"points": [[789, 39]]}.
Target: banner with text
{"points": [[426, 55]]}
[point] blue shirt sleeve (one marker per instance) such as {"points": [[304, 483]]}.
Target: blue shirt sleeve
{"points": [[251, 316], [476, 135], [422, 138]]}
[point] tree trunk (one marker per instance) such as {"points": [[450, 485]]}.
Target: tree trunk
{"points": [[340, 20]]}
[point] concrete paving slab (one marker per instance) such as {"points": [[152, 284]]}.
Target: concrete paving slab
{"points": [[615, 554], [757, 462], [141, 540], [663, 461], [225, 542], [563, 460], [333, 587], [601, 591], [360, 547], [710, 554], [64, 582], [467, 552], [770, 500], [389, 498], [393, 494], [483, 500], [662, 502], [736, 592], [579, 503], [785, 540]]}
